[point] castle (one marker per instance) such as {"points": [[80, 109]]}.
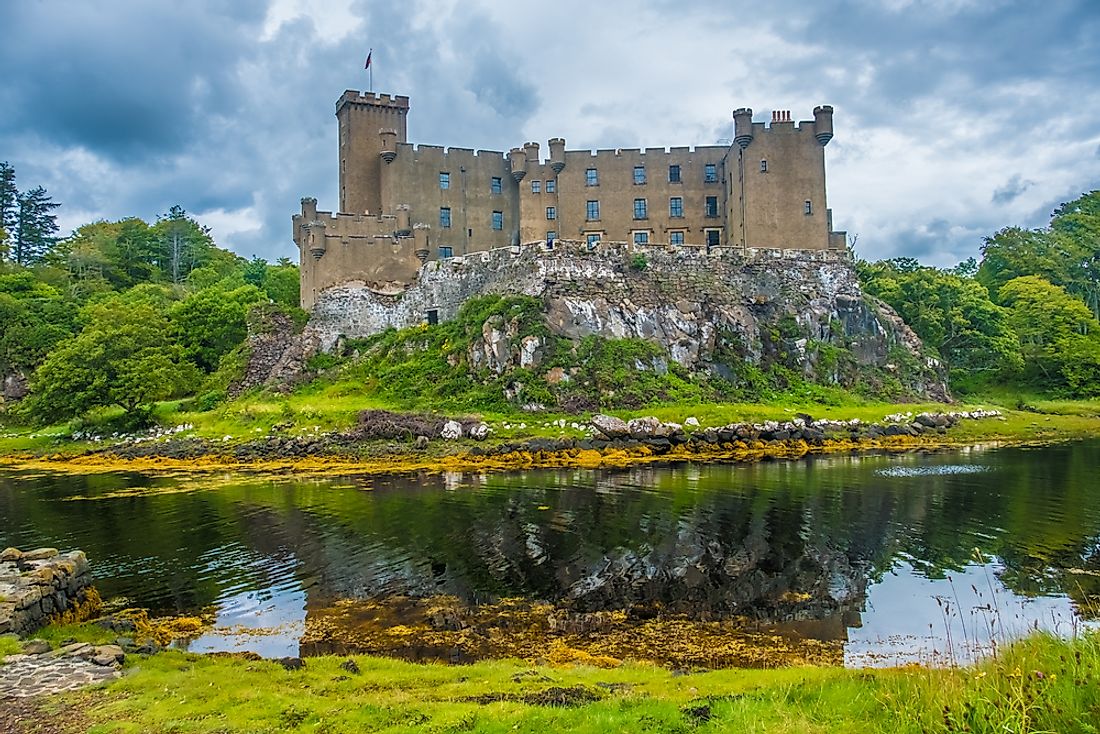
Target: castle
{"points": [[402, 205]]}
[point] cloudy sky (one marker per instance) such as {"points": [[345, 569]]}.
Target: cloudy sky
{"points": [[953, 117]]}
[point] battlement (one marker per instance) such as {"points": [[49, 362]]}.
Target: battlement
{"points": [[423, 151], [641, 152], [370, 99]]}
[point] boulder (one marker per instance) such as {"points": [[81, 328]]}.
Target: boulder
{"points": [[691, 421], [643, 427], [451, 430], [479, 431], [610, 426]]}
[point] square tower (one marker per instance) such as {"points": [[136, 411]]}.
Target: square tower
{"points": [[370, 127]]}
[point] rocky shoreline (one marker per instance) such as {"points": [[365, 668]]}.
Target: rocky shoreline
{"points": [[417, 438]]}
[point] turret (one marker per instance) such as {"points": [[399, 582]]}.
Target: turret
{"points": [[315, 239], [557, 154], [742, 127], [309, 209], [823, 123], [517, 160], [388, 136], [531, 154]]}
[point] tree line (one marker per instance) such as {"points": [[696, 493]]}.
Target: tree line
{"points": [[1024, 317], [27, 221], [126, 313]]}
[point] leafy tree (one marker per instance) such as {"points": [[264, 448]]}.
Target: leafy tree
{"points": [[255, 272], [36, 225], [1059, 336], [1067, 253], [123, 357], [951, 313], [282, 284], [209, 323]]}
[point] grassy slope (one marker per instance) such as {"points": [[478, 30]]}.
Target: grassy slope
{"points": [[1038, 685]]}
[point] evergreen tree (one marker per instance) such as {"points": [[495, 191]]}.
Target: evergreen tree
{"points": [[36, 226], [9, 207]]}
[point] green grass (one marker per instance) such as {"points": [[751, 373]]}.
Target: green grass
{"points": [[1041, 684], [9, 646]]}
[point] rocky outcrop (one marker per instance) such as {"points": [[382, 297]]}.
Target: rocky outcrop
{"points": [[276, 352], [14, 386], [38, 584], [712, 311]]}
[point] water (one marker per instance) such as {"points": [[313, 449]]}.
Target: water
{"points": [[895, 558]]}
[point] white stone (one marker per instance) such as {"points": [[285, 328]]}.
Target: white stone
{"points": [[451, 430]]}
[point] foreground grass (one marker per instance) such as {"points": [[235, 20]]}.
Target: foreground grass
{"points": [[1041, 684]]}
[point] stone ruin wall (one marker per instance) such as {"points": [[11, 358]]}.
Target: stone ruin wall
{"points": [[39, 584]]}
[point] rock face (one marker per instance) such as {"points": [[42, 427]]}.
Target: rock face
{"points": [[38, 584], [14, 386], [276, 351], [711, 311]]}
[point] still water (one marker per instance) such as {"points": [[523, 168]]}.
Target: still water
{"points": [[896, 558]]}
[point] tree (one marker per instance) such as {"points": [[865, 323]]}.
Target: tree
{"points": [[209, 323], [184, 243], [36, 226], [282, 284], [1059, 337], [951, 313], [9, 207], [123, 357]]}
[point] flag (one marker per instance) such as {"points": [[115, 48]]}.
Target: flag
{"points": [[367, 65]]}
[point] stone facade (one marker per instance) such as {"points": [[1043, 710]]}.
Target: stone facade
{"points": [[38, 584], [404, 204]]}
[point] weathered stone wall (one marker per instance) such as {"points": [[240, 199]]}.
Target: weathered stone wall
{"points": [[38, 584], [704, 307]]}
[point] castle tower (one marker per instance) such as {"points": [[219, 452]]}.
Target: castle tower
{"points": [[371, 126]]}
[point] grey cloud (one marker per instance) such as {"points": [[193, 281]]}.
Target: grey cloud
{"points": [[140, 79], [1011, 190]]}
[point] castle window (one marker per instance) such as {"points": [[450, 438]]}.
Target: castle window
{"points": [[550, 237], [551, 212], [676, 206], [712, 206], [444, 180], [446, 252], [592, 238], [674, 173], [710, 173], [641, 237], [763, 166], [494, 185], [551, 185], [445, 217], [676, 237], [808, 207], [536, 186], [639, 174], [591, 177], [592, 210], [639, 209], [432, 316], [498, 220], [714, 237]]}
